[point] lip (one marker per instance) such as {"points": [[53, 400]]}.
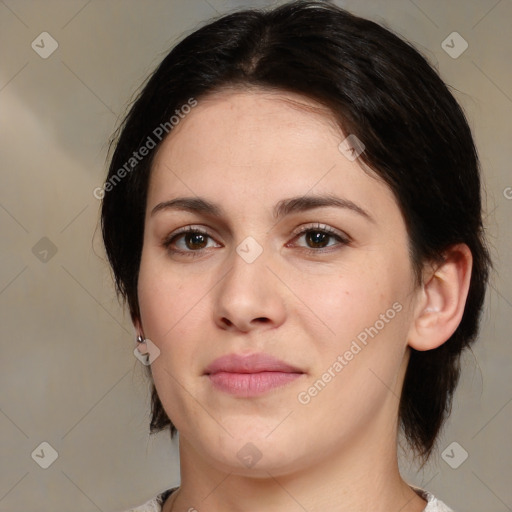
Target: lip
{"points": [[250, 375], [250, 363]]}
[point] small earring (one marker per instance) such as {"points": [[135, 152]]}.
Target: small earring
{"points": [[140, 339]]}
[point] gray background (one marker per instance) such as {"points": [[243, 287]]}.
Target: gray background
{"points": [[67, 371]]}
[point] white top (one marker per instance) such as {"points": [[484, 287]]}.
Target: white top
{"points": [[155, 504]]}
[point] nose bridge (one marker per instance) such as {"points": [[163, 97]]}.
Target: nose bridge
{"points": [[248, 276], [249, 293]]}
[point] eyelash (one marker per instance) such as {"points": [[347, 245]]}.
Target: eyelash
{"points": [[316, 228]]}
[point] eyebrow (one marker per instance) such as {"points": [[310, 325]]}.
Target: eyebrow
{"points": [[281, 209]]}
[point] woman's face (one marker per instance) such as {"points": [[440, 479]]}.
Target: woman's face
{"points": [[295, 255]]}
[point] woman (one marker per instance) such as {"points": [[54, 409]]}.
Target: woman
{"points": [[293, 216]]}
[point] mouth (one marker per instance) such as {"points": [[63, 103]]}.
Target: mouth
{"points": [[250, 375]]}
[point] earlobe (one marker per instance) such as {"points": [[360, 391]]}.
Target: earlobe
{"points": [[443, 298]]}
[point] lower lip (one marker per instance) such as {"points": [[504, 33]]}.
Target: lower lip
{"points": [[250, 384]]}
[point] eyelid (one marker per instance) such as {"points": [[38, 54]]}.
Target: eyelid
{"points": [[321, 227], [190, 227], [297, 231], [194, 228]]}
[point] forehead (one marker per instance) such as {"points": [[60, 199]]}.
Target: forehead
{"points": [[260, 145], [226, 123]]}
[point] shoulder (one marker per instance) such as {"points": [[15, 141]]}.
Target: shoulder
{"points": [[154, 504], [433, 504]]}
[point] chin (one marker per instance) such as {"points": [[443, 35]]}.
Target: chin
{"points": [[255, 463], [256, 455]]}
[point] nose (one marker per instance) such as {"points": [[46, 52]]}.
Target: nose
{"points": [[249, 297]]}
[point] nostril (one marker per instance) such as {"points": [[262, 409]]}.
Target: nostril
{"points": [[261, 319]]}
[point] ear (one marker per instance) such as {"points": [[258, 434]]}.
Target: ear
{"points": [[442, 299]]}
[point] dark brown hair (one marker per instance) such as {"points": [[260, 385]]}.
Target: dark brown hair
{"points": [[380, 89]]}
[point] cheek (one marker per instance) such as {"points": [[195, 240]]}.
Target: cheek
{"points": [[350, 302], [168, 302], [172, 315]]}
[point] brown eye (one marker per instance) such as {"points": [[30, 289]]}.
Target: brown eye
{"points": [[318, 236], [189, 241], [195, 241], [318, 239]]}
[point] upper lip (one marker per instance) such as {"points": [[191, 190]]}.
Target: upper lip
{"points": [[252, 363]]}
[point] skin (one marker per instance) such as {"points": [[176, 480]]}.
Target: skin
{"points": [[246, 150]]}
